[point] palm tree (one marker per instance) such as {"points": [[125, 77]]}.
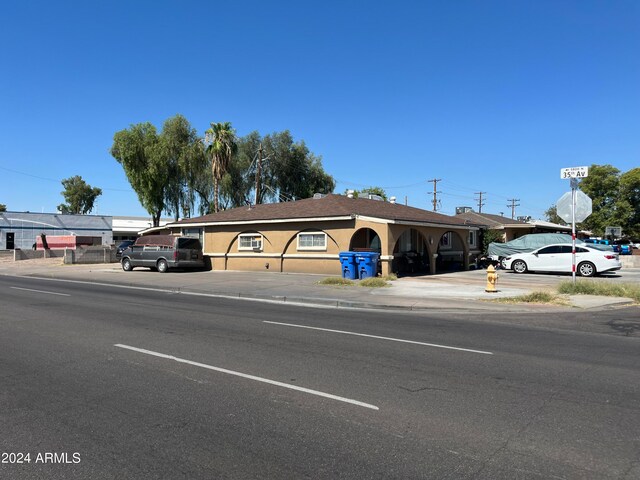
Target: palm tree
{"points": [[221, 145]]}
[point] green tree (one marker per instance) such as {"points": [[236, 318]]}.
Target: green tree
{"points": [[369, 190], [552, 216], [221, 148], [238, 184], [603, 187], [288, 171], [630, 192], [136, 149], [79, 195], [3, 207], [181, 150], [490, 236], [293, 172]]}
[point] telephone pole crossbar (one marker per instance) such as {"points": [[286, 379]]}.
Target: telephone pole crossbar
{"points": [[480, 204], [513, 206], [435, 192]]}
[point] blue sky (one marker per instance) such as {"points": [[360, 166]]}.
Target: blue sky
{"points": [[488, 96]]}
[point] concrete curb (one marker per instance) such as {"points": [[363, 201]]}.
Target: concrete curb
{"points": [[323, 302], [456, 295]]}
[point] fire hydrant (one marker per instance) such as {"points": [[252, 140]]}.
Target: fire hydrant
{"points": [[492, 279]]}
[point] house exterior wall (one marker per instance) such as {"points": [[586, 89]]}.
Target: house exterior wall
{"points": [[280, 251], [513, 233], [279, 247]]}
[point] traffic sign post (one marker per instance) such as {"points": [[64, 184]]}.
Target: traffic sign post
{"points": [[574, 206]]}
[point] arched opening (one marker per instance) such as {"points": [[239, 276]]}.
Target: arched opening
{"points": [[410, 254], [365, 240], [451, 251]]}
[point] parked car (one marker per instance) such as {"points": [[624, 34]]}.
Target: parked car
{"points": [[557, 258], [625, 246], [162, 252], [626, 249], [122, 247], [597, 241], [498, 252]]}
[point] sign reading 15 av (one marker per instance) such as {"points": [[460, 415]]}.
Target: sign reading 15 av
{"points": [[574, 172]]}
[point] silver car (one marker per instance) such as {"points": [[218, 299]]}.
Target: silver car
{"points": [[162, 252]]}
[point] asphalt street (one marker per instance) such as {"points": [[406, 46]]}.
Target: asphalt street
{"points": [[112, 382]]}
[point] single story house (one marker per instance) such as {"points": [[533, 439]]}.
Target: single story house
{"points": [[308, 235], [509, 228]]}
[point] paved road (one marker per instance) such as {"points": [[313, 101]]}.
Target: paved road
{"points": [[459, 291], [143, 384]]}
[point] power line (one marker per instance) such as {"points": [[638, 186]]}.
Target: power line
{"points": [[355, 184], [56, 181]]}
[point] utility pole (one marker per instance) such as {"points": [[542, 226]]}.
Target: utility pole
{"points": [[513, 206], [480, 204], [435, 192], [258, 173]]}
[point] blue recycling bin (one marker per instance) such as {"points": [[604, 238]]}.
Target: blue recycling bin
{"points": [[349, 265], [367, 264]]}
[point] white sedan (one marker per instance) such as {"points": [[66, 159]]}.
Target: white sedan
{"points": [[557, 258]]}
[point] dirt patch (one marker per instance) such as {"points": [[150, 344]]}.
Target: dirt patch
{"points": [[35, 262]]}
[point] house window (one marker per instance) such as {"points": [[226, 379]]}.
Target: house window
{"points": [[473, 238], [195, 233], [250, 241], [312, 241], [445, 241]]}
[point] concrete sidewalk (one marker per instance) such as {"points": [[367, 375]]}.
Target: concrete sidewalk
{"points": [[461, 291]]}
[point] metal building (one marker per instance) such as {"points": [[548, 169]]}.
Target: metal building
{"points": [[20, 229]]}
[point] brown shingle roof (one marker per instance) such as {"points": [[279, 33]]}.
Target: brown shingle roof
{"points": [[332, 205], [489, 220]]}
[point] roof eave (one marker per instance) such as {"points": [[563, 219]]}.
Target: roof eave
{"points": [[416, 223], [254, 222]]}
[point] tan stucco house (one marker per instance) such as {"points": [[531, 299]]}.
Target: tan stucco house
{"points": [[308, 235]]}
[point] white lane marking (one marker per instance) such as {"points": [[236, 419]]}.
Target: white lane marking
{"points": [[379, 337], [250, 377], [41, 291]]}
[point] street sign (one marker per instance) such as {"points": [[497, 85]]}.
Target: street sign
{"points": [[583, 207], [574, 206], [574, 172]]}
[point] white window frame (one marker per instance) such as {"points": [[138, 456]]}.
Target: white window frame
{"points": [[257, 247], [322, 248], [473, 238]]}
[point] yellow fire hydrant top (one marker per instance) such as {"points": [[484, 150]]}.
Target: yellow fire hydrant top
{"points": [[492, 280]]}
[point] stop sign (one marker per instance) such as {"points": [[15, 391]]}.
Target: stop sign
{"points": [[583, 206]]}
